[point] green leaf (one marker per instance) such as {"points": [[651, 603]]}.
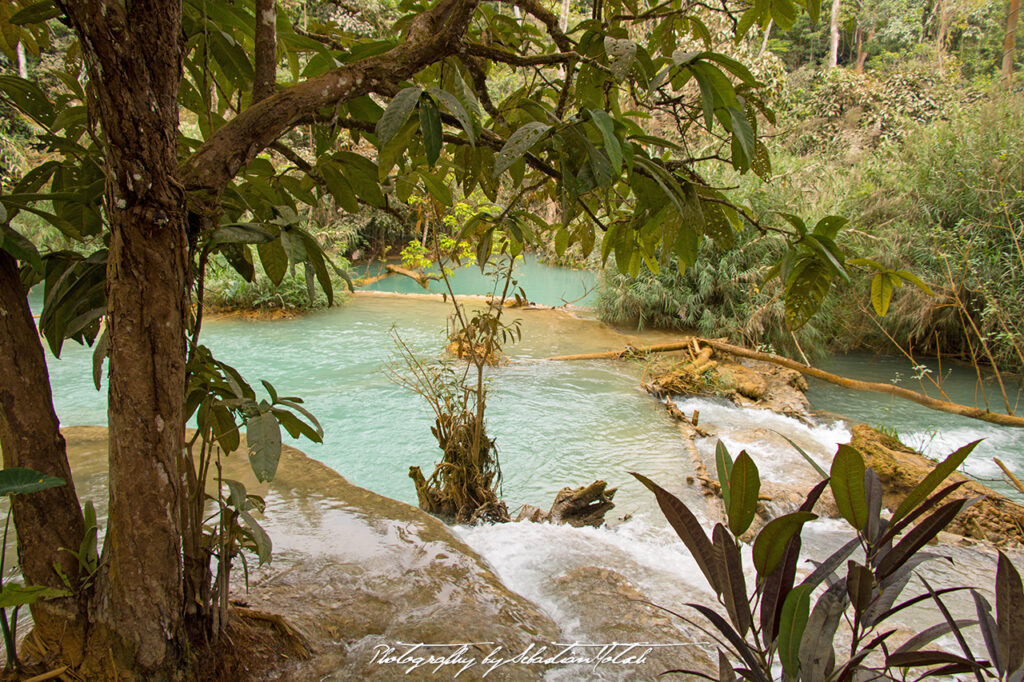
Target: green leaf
{"points": [[28, 99], [397, 113], [339, 187], [263, 434], [932, 481], [16, 594], [430, 127], [260, 538], [362, 174], [795, 612], [561, 241], [847, 483], [770, 544], [437, 188], [18, 246], [36, 13], [455, 108], [744, 486], [21, 481], [225, 430], [274, 260], [806, 287], [612, 145], [916, 281], [242, 233], [881, 293], [518, 144], [99, 354], [723, 464]]}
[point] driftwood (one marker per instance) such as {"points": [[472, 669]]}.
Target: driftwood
{"points": [[421, 278], [854, 384], [585, 506]]}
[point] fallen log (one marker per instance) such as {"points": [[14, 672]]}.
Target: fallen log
{"points": [[584, 506], [627, 352], [854, 384], [422, 279]]}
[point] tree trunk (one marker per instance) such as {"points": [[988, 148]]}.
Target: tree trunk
{"points": [[134, 59], [767, 37], [862, 50], [1010, 43], [943, 30], [833, 50], [265, 74], [22, 63], [30, 437]]}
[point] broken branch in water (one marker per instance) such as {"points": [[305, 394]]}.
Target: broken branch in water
{"points": [[854, 384]]}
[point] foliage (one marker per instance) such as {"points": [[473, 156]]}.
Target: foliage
{"points": [[20, 481], [951, 202], [223, 403], [774, 629], [727, 296]]}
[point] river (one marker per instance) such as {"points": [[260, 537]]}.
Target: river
{"points": [[555, 424]]}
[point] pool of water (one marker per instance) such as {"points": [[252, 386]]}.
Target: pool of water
{"points": [[543, 283]]}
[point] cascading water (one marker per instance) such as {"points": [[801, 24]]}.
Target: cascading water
{"points": [[556, 424]]}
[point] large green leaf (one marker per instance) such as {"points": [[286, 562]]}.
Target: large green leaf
{"points": [[806, 287], [18, 246], [430, 128], [455, 108], [16, 594], [21, 481], [274, 260], [881, 293], [29, 99], [744, 487], [770, 544], [612, 145], [397, 113], [263, 434], [847, 483], [932, 481], [518, 144], [795, 612]]}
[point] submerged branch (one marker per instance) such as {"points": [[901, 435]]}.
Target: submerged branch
{"points": [[855, 384]]}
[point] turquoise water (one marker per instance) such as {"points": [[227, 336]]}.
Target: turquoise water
{"points": [[544, 284], [934, 433], [556, 424]]}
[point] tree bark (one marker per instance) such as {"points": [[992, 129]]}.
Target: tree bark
{"points": [[30, 437], [1010, 43], [833, 50], [134, 59], [265, 74], [862, 50], [942, 7]]}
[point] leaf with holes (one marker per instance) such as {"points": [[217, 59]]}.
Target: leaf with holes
{"points": [[455, 108], [518, 144]]}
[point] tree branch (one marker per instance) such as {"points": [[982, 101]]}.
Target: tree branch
{"points": [[432, 36]]}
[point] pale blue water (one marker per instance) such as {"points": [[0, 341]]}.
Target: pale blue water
{"points": [[544, 284]]}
